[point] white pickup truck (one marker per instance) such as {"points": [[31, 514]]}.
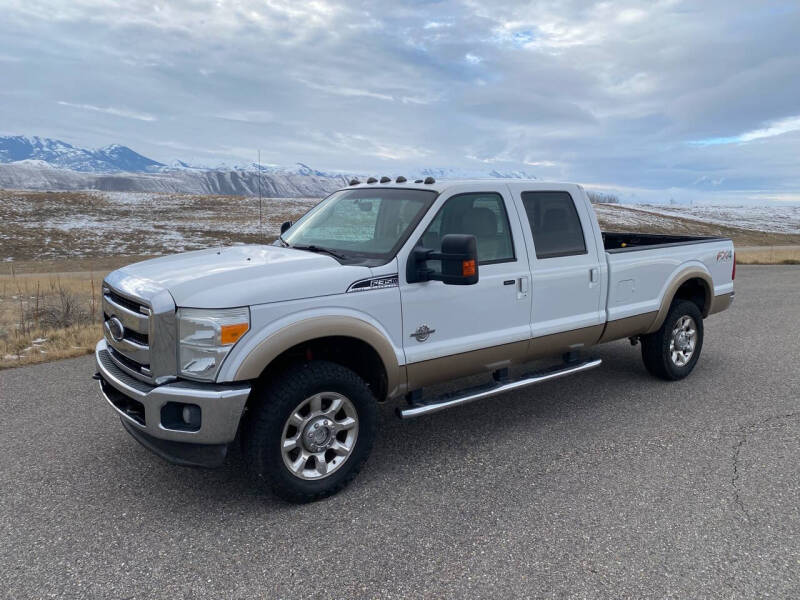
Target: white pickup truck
{"points": [[384, 289]]}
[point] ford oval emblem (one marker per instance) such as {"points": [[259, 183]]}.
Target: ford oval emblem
{"points": [[116, 328]]}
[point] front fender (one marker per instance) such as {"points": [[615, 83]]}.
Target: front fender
{"points": [[249, 361]]}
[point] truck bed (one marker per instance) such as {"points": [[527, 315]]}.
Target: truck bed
{"points": [[641, 266], [615, 242]]}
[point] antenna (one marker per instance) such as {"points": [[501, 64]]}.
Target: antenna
{"points": [[260, 220]]}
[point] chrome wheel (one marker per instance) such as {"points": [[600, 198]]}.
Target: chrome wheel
{"points": [[683, 341], [319, 435]]}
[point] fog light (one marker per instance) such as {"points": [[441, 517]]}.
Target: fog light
{"points": [[180, 416], [191, 415]]}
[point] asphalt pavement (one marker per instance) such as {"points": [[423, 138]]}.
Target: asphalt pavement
{"points": [[609, 484]]}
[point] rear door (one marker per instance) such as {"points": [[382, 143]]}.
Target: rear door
{"points": [[567, 268]]}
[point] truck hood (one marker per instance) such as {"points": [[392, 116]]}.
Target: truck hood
{"points": [[242, 276]]}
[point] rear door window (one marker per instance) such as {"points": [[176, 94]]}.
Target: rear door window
{"points": [[555, 224]]}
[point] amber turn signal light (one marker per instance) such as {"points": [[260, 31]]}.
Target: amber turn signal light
{"points": [[468, 268], [231, 333]]}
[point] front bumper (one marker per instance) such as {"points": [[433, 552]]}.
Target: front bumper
{"points": [[142, 407]]}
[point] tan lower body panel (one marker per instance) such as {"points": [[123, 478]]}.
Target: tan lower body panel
{"points": [[440, 370], [720, 303], [627, 327], [559, 343]]}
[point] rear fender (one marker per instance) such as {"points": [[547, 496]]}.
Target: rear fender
{"points": [[694, 270]]}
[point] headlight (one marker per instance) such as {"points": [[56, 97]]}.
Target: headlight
{"points": [[206, 336]]}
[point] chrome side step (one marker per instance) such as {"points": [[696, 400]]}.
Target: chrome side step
{"points": [[493, 389]]}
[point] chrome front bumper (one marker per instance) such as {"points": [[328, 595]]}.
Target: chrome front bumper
{"points": [[140, 405]]}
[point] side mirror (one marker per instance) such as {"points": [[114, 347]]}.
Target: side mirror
{"points": [[459, 257], [284, 226]]}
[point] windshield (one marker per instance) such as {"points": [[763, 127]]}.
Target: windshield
{"points": [[368, 223]]}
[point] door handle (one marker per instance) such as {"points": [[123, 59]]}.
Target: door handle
{"points": [[523, 286], [594, 275]]}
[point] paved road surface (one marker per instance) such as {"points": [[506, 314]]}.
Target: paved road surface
{"points": [[606, 485]]}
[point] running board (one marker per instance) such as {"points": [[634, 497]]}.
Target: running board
{"points": [[480, 392]]}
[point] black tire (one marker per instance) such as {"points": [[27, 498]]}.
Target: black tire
{"points": [[656, 352], [275, 402]]}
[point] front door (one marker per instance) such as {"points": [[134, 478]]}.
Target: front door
{"points": [[450, 322]]}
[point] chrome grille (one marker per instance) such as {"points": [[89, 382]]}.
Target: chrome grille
{"points": [[131, 352], [143, 317]]}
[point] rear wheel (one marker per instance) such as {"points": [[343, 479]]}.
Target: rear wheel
{"points": [[310, 431], [672, 352]]}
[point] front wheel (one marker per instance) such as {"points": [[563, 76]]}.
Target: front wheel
{"points": [[672, 352], [310, 431]]}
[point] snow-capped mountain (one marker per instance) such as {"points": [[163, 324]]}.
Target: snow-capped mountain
{"points": [[455, 173], [297, 169], [48, 164], [113, 158]]}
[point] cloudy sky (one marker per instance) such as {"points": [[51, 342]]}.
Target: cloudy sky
{"points": [[666, 98]]}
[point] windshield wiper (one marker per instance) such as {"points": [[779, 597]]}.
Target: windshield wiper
{"points": [[320, 249]]}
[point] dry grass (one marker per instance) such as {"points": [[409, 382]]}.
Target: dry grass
{"points": [[54, 226], [47, 317], [768, 255]]}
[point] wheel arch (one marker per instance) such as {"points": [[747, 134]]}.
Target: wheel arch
{"points": [[345, 340], [693, 284]]}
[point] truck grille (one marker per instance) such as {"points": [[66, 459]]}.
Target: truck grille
{"points": [[123, 301], [126, 328]]}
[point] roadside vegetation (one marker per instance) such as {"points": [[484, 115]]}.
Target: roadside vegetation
{"points": [[769, 255], [602, 197], [47, 317], [56, 248]]}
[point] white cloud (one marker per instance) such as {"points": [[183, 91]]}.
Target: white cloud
{"points": [[631, 15], [345, 90], [773, 129], [199, 18], [110, 110], [247, 116], [776, 128], [376, 147]]}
